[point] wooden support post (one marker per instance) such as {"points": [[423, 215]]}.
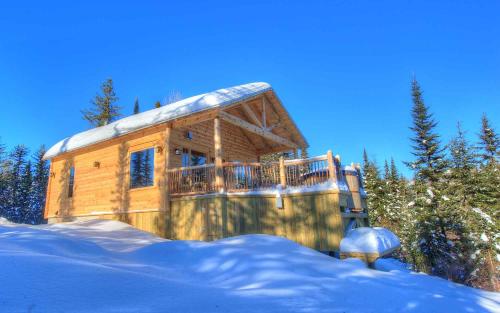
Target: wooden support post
{"points": [[219, 174], [282, 172], [331, 166], [166, 166]]}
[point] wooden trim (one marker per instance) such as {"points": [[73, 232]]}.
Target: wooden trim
{"points": [[47, 194], [255, 129]]}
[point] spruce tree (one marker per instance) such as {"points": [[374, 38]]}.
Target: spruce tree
{"points": [[489, 141], [373, 187], [157, 104], [40, 180], [428, 166], [136, 106], [459, 188], [4, 173], [25, 194], [486, 211], [104, 109], [15, 184]]}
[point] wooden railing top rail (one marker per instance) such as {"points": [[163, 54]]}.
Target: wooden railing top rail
{"points": [[300, 161], [185, 168]]}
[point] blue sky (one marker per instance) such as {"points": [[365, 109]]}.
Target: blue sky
{"points": [[342, 69]]}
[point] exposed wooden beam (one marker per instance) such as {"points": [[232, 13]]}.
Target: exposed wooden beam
{"points": [[255, 129], [264, 118], [251, 114]]}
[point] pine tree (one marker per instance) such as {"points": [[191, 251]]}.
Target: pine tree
{"points": [[14, 210], [486, 211], [459, 187], [4, 174], [157, 104], [25, 194], [40, 180], [489, 141], [136, 106], [429, 165], [104, 109]]}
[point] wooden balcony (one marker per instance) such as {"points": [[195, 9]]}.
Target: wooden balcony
{"points": [[255, 176]]}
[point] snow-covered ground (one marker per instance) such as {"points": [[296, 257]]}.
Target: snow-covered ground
{"points": [[106, 266]]}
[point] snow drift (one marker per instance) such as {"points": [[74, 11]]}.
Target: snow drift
{"points": [[106, 266]]}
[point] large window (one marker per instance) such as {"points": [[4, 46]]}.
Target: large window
{"points": [[142, 168], [71, 182]]}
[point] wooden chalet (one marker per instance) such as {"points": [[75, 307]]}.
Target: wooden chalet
{"points": [[193, 170]]}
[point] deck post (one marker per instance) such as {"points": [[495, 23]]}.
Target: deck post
{"points": [[166, 166], [219, 174], [331, 166], [282, 172]]}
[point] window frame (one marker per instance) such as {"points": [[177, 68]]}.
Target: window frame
{"points": [[71, 182], [141, 149]]}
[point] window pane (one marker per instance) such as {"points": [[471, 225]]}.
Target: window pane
{"points": [[185, 157], [142, 168], [71, 182], [198, 158]]}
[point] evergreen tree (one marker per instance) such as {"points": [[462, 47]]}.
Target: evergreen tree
{"points": [[429, 165], [4, 174], [486, 212], [373, 187], [25, 194], [157, 104], [40, 180], [104, 109], [136, 106], [15, 203], [489, 141]]}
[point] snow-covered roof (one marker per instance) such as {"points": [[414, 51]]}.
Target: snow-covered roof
{"points": [[218, 98], [369, 240]]}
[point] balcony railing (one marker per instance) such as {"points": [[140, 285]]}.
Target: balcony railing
{"points": [[242, 176]]}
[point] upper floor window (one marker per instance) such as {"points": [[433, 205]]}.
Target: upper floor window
{"points": [[142, 168], [71, 182]]}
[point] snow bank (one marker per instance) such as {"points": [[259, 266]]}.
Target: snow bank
{"points": [[218, 98], [390, 264], [369, 240], [65, 268]]}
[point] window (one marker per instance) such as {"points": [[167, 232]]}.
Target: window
{"points": [[193, 158], [71, 182], [198, 158], [142, 168]]}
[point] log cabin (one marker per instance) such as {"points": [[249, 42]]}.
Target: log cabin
{"points": [[195, 170]]}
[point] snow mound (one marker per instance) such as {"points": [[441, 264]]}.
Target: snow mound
{"points": [[91, 267], [369, 240], [218, 98]]}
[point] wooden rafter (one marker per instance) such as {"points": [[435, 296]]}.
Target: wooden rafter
{"points": [[256, 129], [251, 114]]}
